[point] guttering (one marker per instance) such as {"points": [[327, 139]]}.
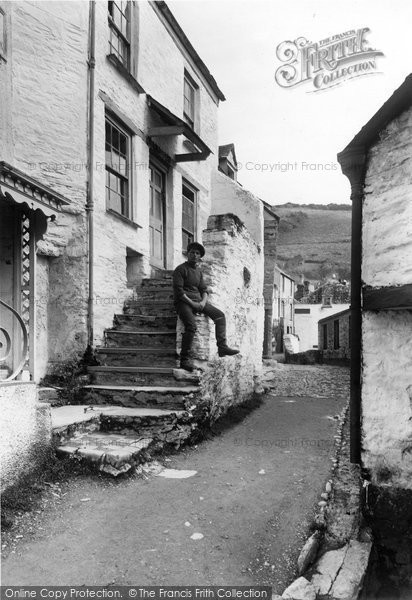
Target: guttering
{"points": [[90, 163], [353, 166]]}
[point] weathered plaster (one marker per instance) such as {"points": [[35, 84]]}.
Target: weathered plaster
{"points": [[25, 430], [387, 209], [230, 197], [387, 396], [229, 251]]}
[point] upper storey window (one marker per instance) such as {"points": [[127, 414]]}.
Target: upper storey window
{"points": [[119, 36], [189, 100]]}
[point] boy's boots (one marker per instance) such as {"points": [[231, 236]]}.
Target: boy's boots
{"points": [[222, 347], [185, 361]]}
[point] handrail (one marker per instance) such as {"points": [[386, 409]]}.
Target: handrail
{"points": [[9, 342]]}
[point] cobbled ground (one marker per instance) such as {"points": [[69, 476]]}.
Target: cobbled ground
{"points": [[317, 381]]}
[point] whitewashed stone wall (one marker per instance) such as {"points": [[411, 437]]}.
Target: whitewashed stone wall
{"points": [[387, 335], [43, 133], [230, 250], [230, 197], [161, 63], [25, 433], [387, 396], [387, 209]]}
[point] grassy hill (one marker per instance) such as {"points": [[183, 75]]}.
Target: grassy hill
{"points": [[314, 240]]}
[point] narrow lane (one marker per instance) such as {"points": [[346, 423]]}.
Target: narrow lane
{"points": [[252, 499]]}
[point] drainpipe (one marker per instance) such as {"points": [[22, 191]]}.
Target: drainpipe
{"points": [[90, 162], [352, 163]]}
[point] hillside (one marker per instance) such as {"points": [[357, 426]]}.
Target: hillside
{"points": [[314, 240]]}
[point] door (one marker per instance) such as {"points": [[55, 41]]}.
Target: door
{"points": [[15, 291], [157, 217]]}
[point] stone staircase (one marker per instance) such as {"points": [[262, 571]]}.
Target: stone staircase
{"points": [[137, 399]]}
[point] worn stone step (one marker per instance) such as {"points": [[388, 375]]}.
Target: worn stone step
{"points": [[144, 295], [158, 424], [154, 308], [111, 453], [70, 420], [145, 375], [136, 356], [161, 273], [144, 322], [156, 283], [155, 339], [170, 397]]}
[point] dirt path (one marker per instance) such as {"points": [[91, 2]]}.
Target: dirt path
{"points": [[252, 499]]}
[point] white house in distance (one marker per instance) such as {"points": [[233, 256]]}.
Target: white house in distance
{"points": [[307, 317]]}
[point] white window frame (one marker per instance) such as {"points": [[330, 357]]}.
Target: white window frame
{"points": [[185, 231], [190, 115], [125, 177]]}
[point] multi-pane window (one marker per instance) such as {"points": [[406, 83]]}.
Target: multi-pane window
{"points": [[119, 30], [189, 95], [117, 168], [188, 214], [336, 334]]}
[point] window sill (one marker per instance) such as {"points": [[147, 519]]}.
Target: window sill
{"points": [[125, 220], [112, 58]]}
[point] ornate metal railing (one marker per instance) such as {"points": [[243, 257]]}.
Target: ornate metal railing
{"points": [[13, 355]]}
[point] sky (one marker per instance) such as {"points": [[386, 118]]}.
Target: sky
{"points": [[287, 138]]}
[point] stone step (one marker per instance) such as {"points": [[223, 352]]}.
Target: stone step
{"points": [[156, 339], [161, 273], [136, 356], [144, 295], [111, 453], [143, 376], [156, 283], [124, 437], [144, 322], [176, 397], [70, 420], [154, 308], [169, 426]]}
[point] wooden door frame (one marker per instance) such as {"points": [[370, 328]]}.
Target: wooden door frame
{"points": [[156, 164]]}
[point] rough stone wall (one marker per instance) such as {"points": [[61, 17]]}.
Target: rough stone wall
{"points": [[231, 254], [387, 397], [271, 227], [387, 208], [331, 353], [386, 341], [25, 430], [42, 309]]}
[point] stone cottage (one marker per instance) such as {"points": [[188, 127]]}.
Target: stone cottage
{"points": [[334, 339], [377, 163], [108, 146]]}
